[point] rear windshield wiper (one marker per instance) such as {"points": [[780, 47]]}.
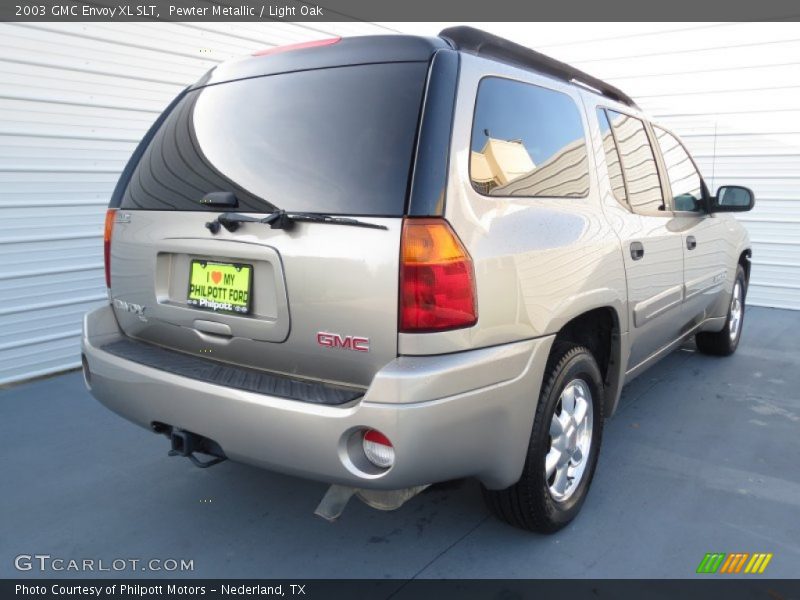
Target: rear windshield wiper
{"points": [[280, 219]]}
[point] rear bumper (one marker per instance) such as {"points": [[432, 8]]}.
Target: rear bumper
{"points": [[449, 416]]}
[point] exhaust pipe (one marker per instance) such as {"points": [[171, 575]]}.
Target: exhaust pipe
{"points": [[334, 502], [336, 498]]}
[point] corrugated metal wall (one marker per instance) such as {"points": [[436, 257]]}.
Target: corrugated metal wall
{"points": [[75, 99]]}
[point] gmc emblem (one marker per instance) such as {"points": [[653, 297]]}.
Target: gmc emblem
{"points": [[348, 342]]}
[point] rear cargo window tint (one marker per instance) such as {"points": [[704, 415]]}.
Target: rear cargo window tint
{"points": [[337, 140], [527, 141]]}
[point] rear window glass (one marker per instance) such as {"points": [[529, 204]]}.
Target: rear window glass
{"points": [[684, 178], [638, 163], [337, 141], [527, 141], [613, 163]]}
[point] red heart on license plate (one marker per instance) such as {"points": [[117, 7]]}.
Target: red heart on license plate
{"points": [[216, 276]]}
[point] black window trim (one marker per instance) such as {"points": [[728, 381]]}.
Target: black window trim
{"points": [[428, 184], [586, 141]]}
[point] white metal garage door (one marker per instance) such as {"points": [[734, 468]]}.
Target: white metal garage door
{"points": [[75, 99]]}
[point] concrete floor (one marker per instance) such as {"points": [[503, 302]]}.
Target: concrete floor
{"points": [[703, 456]]}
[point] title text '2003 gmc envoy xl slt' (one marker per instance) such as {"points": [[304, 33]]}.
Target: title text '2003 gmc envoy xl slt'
{"points": [[386, 262]]}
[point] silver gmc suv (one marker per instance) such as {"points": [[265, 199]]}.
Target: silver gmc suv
{"points": [[386, 262]]}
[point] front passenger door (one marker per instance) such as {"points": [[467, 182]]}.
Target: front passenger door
{"points": [[703, 234]]}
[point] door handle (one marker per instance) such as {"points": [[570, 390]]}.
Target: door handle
{"points": [[637, 250], [691, 243], [213, 328]]}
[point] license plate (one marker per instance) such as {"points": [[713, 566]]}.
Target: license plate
{"points": [[223, 287]]}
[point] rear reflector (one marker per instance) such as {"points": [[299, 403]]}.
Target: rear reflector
{"points": [[437, 281], [111, 215], [300, 46], [378, 449]]}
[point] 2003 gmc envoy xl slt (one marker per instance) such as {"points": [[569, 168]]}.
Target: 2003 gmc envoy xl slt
{"points": [[385, 262]]}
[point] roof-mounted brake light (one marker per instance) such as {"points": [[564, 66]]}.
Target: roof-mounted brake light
{"points": [[300, 46]]}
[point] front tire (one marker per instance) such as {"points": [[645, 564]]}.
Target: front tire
{"points": [[725, 342], [563, 447]]}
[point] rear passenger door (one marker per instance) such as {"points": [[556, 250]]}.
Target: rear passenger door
{"points": [[704, 255], [651, 247]]}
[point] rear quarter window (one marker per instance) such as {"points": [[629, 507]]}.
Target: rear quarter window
{"points": [[527, 141], [335, 141]]}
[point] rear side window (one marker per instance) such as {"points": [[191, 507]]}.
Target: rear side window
{"points": [[613, 163], [527, 141], [338, 140], [638, 163]]}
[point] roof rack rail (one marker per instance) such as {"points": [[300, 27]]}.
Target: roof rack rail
{"points": [[480, 43]]}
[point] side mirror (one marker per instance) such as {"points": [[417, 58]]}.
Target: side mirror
{"points": [[732, 198], [685, 203]]}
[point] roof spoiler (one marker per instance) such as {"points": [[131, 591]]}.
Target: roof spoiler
{"points": [[480, 43]]}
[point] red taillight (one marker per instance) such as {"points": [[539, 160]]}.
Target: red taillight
{"points": [[437, 281], [300, 46], [111, 215]]}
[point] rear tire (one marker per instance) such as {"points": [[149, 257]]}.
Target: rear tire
{"points": [[725, 342], [563, 447]]}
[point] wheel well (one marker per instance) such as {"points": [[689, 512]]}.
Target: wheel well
{"points": [[598, 330], [744, 260]]}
